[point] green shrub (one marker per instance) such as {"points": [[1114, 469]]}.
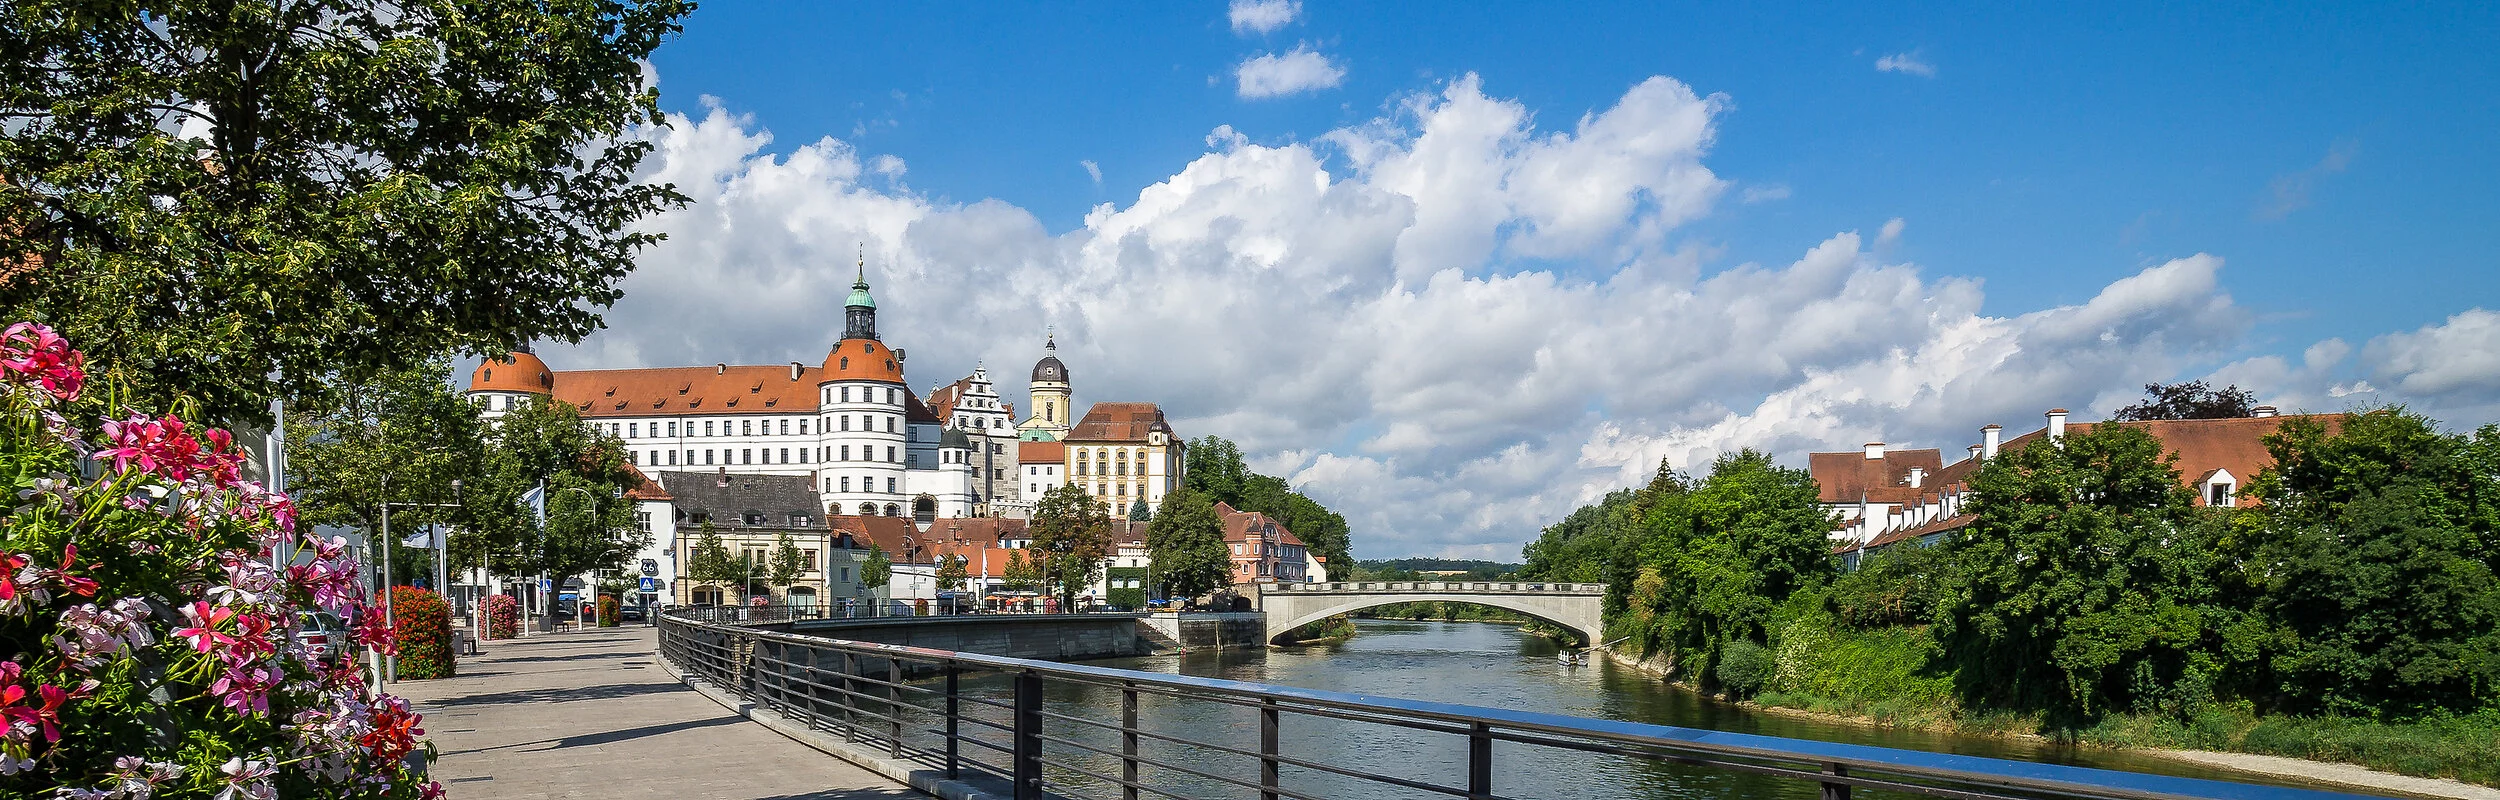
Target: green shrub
{"points": [[1744, 668], [421, 621], [1131, 599]]}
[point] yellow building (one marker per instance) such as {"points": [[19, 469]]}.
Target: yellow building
{"points": [[1122, 453]]}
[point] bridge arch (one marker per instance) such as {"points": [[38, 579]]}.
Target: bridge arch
{"points": [[1571, 607]]}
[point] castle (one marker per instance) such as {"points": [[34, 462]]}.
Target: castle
{"points": [[867, 444]]}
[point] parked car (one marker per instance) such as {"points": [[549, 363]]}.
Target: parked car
{"points": [[629, 614], [324, 636]]}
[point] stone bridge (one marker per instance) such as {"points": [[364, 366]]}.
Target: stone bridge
{"points": [[1575, 607]]}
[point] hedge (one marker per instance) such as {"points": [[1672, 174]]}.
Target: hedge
{"points": [[421, 621]]}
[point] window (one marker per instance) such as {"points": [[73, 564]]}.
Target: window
{"points": [[846, 484], [785, 455], [889, 489], [846, 452], [707, 427], [846, 574], [707, 456], [846, 394], [802, 427], [746, 427], [672, 458], [811, 558], [892, 398], [846, 422], [633, 431], [642, 520], [1080, 467], [889, 423], [997, 449], [785, 429], [747, 455], [672, 430], [889, 456]]}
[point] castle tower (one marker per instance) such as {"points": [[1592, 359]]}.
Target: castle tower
{"points": [[861, 405], [1052, 407]]}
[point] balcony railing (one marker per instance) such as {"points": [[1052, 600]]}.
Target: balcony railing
{"points": [[983, 720]]}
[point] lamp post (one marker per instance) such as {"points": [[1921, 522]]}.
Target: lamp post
{"points": [[389, 668]]}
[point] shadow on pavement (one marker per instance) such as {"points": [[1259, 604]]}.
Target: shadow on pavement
{"points": [[544, 659], [562, 694]]}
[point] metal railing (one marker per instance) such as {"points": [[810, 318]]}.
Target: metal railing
{"points": [[989, 720], [1503, 587], [801, 612]]}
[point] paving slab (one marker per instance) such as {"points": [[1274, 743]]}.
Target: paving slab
{"points": [[591, 714]]}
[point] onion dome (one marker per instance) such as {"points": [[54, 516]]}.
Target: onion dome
{"points": [[862, 360], [1049, 369], [520, 371]]}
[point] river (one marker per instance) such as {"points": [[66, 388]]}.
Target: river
{"points": [[1498, 666]]}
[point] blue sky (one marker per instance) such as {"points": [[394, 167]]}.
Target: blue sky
{"points": [[2051, 150], [1456, 269]]}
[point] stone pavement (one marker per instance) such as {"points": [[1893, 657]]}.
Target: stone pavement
{"points": [[593, 715]]}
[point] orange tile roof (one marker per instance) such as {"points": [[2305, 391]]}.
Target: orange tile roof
{"points": [[517, 372], [1118, 422], [862, 360], [717, 389], [2204, 445], [1041, 452], [1239, 524], [644, 487], [1851, 476]]}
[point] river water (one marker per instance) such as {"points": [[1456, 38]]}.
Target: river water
{"points": [[1485, 665]]}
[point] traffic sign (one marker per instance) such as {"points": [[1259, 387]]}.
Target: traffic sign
{"points": [[650, 584], [650, 566], [546, 584]]}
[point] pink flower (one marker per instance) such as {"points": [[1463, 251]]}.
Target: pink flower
{"points": [[246, 688], [203, 632], [163, 446], [371, 631], [72, 583], [31, 351]]}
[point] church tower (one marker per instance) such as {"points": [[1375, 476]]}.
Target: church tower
{"points": [[860, 312], [1052, 407]]}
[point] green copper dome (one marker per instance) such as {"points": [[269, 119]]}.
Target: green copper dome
{"points": [[860, 298]]}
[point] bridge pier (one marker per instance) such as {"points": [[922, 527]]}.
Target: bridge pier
{"points": [[1575, 607]]}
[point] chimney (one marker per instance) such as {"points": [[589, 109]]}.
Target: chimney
{"points": [[2057, 424], [1988, 437], [1974, 451], [2262, 411], [1874, 450], [1918, 477], [794, 370], [720, 369]]}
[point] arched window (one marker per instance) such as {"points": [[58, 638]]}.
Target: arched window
{"points": [[893, 510]]}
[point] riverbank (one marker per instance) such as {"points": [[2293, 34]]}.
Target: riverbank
{"points": [[2458, 760]]}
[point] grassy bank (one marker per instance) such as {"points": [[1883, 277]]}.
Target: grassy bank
{"points": [[1883, 676]]}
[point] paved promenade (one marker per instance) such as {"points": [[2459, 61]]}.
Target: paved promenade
{"points": [[593, 715]]}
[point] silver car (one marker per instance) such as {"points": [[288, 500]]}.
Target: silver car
{"points": [[324, 636]]}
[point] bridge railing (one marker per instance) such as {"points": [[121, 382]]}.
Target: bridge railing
{"points": [[1521, 587], [991, 721]]}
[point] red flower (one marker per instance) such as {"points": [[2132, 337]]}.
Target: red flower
{"points": [[394, 731], [71, 583], [34, 351], [203, 632]]}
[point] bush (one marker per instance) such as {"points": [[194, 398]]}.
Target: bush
{"points": [[503, 617], [421, 621], [1744, 668], [147, 642], [1131, 599], [607, 610]]}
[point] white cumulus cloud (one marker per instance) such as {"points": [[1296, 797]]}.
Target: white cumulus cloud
{"points": [[1277, 75], [1452, 323], [1252, 17]]}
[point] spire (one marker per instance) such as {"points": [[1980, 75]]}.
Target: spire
{"points": [[862, 283], [860, 311], [1050, 338]]}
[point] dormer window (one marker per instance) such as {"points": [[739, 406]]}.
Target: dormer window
{"points": [[2221, 489]]}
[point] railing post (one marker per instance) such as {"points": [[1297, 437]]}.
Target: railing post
{"points": [[1479, 762], [850, 701], [894, 707], [1028, 750], [1835, 791], [954, 677], [1128, 740], [1267, 748]]}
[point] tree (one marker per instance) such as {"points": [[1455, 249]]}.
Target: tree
{"points": [[1140, 512], [589, 524], [710, 562], [1185, 547], [788, 562], [878, 570], [2072, 590], [1022, 574], [952, 576], [1212, 465], [239, 203], [2191, 400], [2379, 553], [1721, 555], [400, 437], [1072, 535]]}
